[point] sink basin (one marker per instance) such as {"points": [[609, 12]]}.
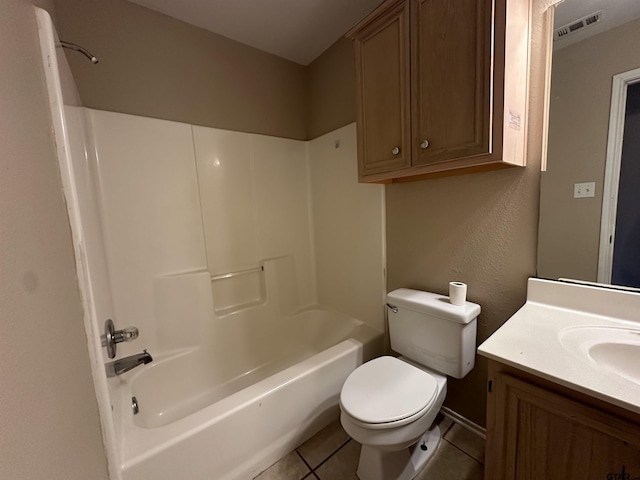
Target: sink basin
{"points": [[616, 349]]}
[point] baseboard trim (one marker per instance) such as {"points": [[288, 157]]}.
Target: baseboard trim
{"points": [[464, 422]]}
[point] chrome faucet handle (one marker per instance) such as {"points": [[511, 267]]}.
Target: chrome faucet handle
{"points": [[128, 334], [112, 337]]}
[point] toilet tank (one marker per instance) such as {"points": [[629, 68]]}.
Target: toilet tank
{"points": [[426, 328]]}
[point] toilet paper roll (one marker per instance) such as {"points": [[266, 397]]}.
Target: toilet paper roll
{"points": [[457, 293]]}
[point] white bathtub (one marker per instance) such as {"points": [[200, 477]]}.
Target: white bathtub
{"points": [[204, 420]]}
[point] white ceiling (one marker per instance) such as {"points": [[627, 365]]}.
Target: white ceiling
{"points": [[614, 13], [298, 30]]}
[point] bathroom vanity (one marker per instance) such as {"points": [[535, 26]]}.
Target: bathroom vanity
{"points": [[564, 386], [539, 429]]}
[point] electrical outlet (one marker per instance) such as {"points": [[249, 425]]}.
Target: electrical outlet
{"points": [[584, 190]]}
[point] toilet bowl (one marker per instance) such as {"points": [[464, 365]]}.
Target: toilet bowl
{"points": [[389, 404]]}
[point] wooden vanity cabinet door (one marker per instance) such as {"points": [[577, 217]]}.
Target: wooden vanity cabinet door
{"points": [[451, 79], [383, 78], [534, 433]]}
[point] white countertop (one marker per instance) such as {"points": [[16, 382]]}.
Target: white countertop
{"points": [[530, 339]]}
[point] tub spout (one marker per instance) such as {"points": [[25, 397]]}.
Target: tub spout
{"points": [[125, 364]]}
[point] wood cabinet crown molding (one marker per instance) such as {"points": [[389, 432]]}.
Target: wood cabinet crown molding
{"points": [[442, 87]]}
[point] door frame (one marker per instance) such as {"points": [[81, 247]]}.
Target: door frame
{"points": [[612, 171]]}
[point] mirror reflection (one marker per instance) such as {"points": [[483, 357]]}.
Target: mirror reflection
{"points": [[590, 193]]}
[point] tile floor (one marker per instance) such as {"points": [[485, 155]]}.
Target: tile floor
{"points": [[332, 455]]}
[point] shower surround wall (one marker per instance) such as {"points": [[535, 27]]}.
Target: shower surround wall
{"points": [[178, 201], [212, 239], [207, 241], [148, 197], [256, 205]]}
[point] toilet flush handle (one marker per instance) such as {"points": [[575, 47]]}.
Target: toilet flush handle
{"points": [[393, 308]]}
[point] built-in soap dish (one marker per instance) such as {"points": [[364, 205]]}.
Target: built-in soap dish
{"points": [[239, 290]]}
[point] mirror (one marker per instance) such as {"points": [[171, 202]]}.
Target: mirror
{"points": [[593, 152]]}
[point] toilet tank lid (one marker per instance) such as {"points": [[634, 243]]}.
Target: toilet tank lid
{"points": [[433, 304]]}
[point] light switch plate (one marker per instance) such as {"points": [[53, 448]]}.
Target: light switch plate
{"points": [[584, 190]]}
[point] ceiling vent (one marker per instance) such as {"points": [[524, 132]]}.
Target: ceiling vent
{"points": [[577, 25]]}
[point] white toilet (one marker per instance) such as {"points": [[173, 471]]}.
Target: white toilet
{"points": [[389, 404]]}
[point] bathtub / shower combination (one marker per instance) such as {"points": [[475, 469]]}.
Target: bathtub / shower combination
{"points": [[222, 399], [192, 424]]}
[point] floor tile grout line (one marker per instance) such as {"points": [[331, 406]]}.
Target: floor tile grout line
{"points": [[313, 470], [331, 455], [460, 449], [306, 463]]}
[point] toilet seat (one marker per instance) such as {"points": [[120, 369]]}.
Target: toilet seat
{"points": [[387, 392]]}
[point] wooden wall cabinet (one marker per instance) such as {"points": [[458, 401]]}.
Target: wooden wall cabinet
{"points": [[539, 430], [441, 86]]}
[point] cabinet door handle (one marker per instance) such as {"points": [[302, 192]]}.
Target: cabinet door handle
{"points": [[395, 150], [424, 144]]}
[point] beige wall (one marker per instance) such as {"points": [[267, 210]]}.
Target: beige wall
{"points": [[578, 130], [155, 66], [331, 89], [49, 426], [480, 229]]}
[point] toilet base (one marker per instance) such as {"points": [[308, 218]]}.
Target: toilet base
{"points": [[376, 464]]}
